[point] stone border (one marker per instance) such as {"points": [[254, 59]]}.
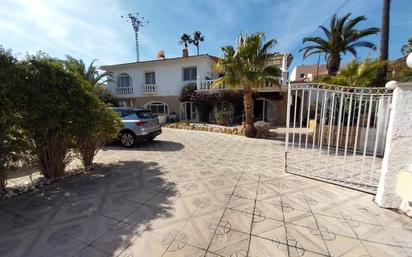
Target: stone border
{"points": [[42, 182], [238, 131]]}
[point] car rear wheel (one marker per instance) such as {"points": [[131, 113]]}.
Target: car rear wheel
{"points": [[127, 139]]}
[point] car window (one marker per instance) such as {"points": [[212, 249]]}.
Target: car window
{"points": [[145, 114], [126, 113]]}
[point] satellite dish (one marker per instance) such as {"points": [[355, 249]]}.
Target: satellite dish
{"points": [[161, 55]]}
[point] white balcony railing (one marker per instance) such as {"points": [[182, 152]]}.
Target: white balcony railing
{"points": [[149, 89], [207, 85], [124, 91]]}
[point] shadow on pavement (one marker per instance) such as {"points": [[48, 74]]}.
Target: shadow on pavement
{"points": [[156, 145], [95, 214]]}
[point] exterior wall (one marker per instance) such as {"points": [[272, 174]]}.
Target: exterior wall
{"points": [[308, 70], [172, 102], [168, 74], [398, 152]]}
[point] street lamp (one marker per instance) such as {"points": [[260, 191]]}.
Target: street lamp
{"points": [[409, 60]]}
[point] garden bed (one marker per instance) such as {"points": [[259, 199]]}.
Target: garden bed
{"points": [[232, 130]]}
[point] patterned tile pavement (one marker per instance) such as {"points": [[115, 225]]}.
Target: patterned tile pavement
{"points": [[195, 194]]}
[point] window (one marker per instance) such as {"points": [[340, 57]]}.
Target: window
{"points": [[189, 73], [124, 80], [302, 75], [150, 78], [158, 108]]}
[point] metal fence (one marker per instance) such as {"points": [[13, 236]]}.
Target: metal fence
{"points": [[337, 134]]}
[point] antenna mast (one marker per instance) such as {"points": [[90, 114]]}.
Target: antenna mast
{"points": [[136, 24]]}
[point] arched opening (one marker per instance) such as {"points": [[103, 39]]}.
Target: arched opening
{"points": [[263, 110], [124, 80]]}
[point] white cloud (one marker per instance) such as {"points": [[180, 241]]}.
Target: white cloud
{"points": [[84, 30]]}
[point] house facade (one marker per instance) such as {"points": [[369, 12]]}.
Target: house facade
{"points": [[307, 73], [157, 85]]}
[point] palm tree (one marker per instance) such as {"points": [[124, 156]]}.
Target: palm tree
{"points": [[383, 56], [90, 74], [248, 65], [356, 74], [197, 38], [185, 40], [407, 48], [341, 37]]}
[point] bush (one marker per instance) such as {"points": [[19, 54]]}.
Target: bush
{"points": [[12, 137], [106, 96], [52, 101], [222, 118], [188, 92], [94, 127], [262, 129]]}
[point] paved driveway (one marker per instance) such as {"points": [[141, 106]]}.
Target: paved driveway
{"points": [[195, 194]]}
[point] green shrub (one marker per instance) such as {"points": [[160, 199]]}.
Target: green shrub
{"points": [[222, 118], [13, 142], [52, 100], [96, 126]]}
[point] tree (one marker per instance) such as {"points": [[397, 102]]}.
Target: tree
{"points": [[13, 142], [341, 37], [383, 55], [90, 74], [355, 74], [96, 126], [106, 95], [197, 38], [407, 48], [248, 65], [185, 39], [53, 99]]}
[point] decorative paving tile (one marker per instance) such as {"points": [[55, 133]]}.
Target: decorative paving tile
{"points": [[195, 194]]}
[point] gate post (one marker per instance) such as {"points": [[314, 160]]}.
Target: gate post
{"points": [[398, 149]]}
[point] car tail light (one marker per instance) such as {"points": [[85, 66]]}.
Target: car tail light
{"points": [[141, 123]]}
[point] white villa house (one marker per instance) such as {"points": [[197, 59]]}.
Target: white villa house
{"points": [[157, 84]]}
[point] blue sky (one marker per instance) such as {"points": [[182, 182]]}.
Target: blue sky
{"points": [[94, 30]]}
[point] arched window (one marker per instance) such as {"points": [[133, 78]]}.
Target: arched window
{"points": [[124, 80], [158, 108]]}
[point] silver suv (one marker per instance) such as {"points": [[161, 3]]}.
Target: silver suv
{"points": [[138, 125]]}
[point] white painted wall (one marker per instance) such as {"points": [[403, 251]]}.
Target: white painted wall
{"points": [[169, 74], [398, 151]]}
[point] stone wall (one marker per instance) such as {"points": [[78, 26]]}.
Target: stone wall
{"points": [[207, 127]]}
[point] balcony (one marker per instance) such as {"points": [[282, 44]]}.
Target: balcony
{"points": [[207, 85], [149, 89], [124, 91]]}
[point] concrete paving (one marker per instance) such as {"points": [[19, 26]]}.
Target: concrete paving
{"points": [[195, 194]]}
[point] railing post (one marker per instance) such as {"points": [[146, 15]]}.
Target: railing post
{"points": [[289, 102], [397, 158], [198, 82]]}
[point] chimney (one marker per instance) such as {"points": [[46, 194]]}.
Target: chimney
{"points": [[185, 52]]}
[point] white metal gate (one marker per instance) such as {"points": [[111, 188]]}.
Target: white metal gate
{"points": [[337, 134]]}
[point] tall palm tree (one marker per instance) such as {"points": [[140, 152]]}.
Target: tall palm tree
{"points": [[407, 48], [248, 65], [383, 56], [340, 37], [197, 38], [185, 39], [89, 73]]}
